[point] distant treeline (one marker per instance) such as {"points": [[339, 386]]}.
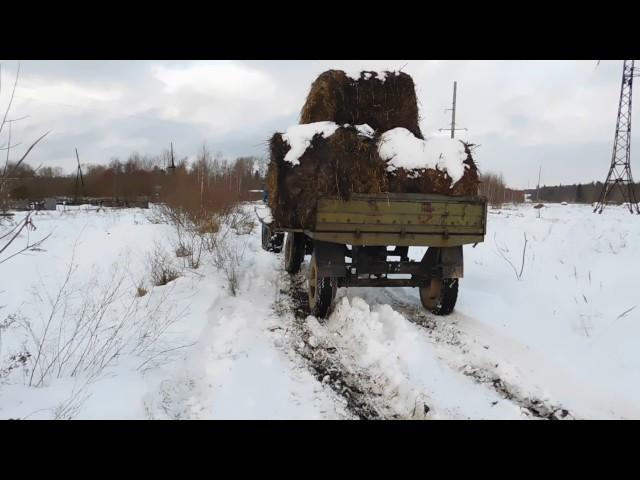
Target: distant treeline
{"points": [[494, 188], [208, 181], [577, 193], [141, 176]]}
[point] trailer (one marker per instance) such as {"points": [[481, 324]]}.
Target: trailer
{"points": [[364, 242]]}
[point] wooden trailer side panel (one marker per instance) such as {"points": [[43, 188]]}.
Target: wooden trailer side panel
{"points": [[401, 219]]}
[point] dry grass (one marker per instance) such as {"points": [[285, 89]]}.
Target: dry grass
{"points": [[141, 291]]}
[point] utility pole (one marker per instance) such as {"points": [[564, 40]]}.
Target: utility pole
{"points": [[453, 113], [79, 178], [538, 187], [453, 110], [202, 192], [172, 167]]}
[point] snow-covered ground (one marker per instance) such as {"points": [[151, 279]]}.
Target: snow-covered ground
{"points": [[555, 338]]}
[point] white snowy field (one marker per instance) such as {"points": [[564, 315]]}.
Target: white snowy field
{"points": [[555, 338]]}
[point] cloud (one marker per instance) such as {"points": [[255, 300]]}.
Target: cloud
{"points": [[225, 96], [217, 80], [560, 114]]}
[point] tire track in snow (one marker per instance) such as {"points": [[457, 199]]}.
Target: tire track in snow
{"points": [[445, 333], [363, 393], [366, 392]]}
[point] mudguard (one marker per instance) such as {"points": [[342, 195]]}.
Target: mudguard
{"points": [[452, 262], [330, 259], [445, 261]]}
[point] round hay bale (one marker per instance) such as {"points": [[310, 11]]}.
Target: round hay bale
{"points": [[328, 99], [383, 101], [387, 102]]}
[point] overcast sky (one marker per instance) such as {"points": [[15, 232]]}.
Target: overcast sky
{"points": [[558, 114]]}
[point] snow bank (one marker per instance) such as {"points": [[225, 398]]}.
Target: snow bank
{"points": [[402, 149], [407, 368], [264, 213], [568, 329], [565, 332], [218, 360]]}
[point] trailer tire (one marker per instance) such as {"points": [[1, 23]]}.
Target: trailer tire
{"points": [[294, 249], [322, 291], [271, 242], [440, 296]]}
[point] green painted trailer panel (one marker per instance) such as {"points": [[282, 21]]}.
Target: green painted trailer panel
{"points": [[386, 239], [401, 219]]}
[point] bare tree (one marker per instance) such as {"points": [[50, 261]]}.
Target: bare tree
{"points": [[494, 188], [11, 236]]}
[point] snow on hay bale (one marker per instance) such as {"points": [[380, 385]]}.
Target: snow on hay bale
{"points": [[438, 165], [324, 158], [382, 100], [320, 159]]}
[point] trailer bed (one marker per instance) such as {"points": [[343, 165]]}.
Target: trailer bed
{"points": [[402, 219]]}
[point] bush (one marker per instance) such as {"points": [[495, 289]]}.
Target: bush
{"points": [[227, 253], [162, 269], [86, 327], [227, 258], [241, 221]]}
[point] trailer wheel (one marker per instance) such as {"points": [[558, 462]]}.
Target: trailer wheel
{"points": [[294, 249], [440, 296], [271, 242], [265, 238], [322, 291]]}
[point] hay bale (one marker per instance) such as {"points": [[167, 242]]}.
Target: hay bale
{"points": [[388, 102], [422, 181], [382, 101], [344, 163], [436, 181], [330, 99], [469, 184]]}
